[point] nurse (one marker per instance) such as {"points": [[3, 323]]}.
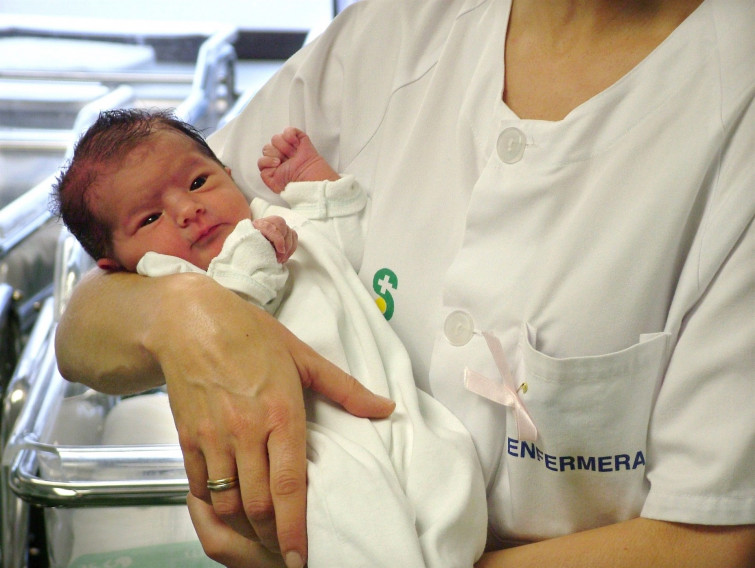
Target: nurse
{"points": [[582, 187]]}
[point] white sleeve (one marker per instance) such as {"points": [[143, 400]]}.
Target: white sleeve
{"points": [[246, 265], [337, 88], [311, 92], [702, 433], [339, 209]]}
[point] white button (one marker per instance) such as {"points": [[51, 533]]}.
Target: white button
{"points": [[511, 143], [458, 328]]}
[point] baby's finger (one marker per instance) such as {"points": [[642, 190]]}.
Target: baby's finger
{"points": [[266, 162], [275, 230], [290, 241], [270, 230], [292, 135], [271, 151], [282, 145]]}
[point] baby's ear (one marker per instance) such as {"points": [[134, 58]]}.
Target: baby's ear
{"points": [[108, 264], [227, 170]]}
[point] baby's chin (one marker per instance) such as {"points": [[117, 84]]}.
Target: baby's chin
{"points": [[202, 259], [202, 252]]}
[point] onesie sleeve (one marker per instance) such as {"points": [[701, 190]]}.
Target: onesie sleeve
{"points": [[339, 209], [246, 264]]}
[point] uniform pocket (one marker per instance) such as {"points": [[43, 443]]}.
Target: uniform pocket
{"points": [[587, 467], [598, 400]]}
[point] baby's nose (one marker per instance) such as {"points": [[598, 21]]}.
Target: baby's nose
{"points": [[185, 209]]}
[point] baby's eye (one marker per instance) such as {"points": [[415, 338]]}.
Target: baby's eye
{"points": [[197, 183], [150, 219]]}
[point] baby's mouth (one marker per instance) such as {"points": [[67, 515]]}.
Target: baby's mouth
{"points": [[206, 236]]}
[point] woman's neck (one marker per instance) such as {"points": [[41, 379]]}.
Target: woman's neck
{"points": [[600, 16], [560, 53]]}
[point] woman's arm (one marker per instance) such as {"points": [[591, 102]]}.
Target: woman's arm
{"points": [[112, 359], [234, 377], [640, 543]]}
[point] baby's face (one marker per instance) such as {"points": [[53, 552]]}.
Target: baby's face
{"points": [[168, 197]]}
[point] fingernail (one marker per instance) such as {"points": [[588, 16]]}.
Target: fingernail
{"points": [[293, 560]]}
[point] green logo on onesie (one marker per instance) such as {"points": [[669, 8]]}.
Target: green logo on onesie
{"points": [[384, 282]]}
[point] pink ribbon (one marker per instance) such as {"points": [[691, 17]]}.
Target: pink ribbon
{"points": [[504, 393]]}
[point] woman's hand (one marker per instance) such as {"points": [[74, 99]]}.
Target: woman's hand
{"points": [[234, 377]]}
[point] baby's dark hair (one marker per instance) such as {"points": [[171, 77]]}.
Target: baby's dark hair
{"points": [[105, 144]]}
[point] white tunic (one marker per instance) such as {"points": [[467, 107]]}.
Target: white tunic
{"points": [[405, 491], [611, 253]]}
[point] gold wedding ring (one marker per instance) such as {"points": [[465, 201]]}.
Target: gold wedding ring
{"points": [[222, 484]]}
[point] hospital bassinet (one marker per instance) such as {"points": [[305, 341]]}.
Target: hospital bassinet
{"points": [[56, 74], [44, 107], [108, 474]]}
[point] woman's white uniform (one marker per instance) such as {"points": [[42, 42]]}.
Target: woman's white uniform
{"points": [[610, 254], [405, 491]]}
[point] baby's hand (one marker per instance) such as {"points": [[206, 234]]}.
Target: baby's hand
{"points": [[283, 238], [290, 156]]}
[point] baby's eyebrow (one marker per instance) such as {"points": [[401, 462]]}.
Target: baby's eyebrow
{"points": [[186, 168], [179, 175], [193, 161], [149, 198], [135, 213]]}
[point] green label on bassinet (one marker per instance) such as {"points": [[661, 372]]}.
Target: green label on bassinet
{"points": [[178, 555]]}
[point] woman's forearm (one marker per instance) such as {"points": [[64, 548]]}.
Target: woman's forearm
{"points": [[117, 327], [100, 338], [639, 543]]}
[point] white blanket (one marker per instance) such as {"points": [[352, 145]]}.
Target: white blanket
{"points": [[405, 491]]}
